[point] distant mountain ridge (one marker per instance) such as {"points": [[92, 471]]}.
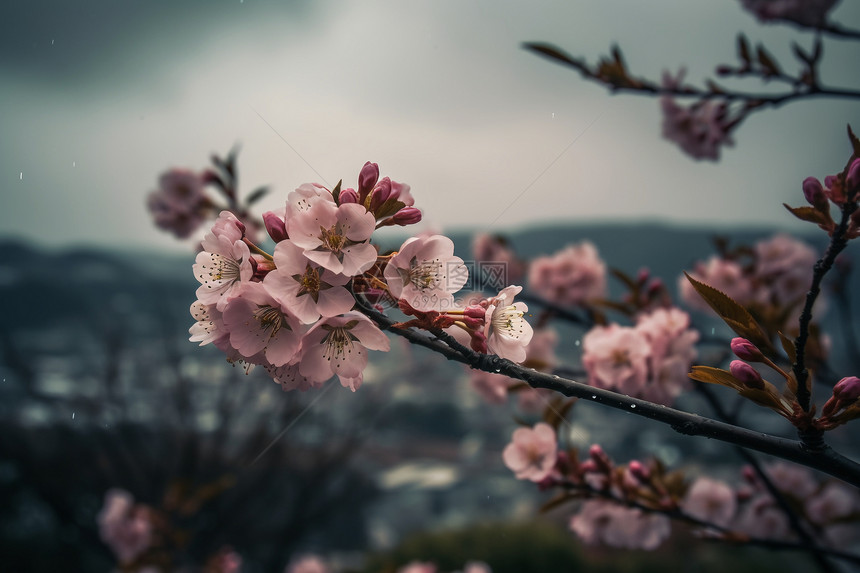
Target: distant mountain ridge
{"points": [[36, 284]]}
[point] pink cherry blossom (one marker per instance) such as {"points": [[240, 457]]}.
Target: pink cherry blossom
{"points": [[811, 13], [507, 332], [307, 289], [221, 270], [532, 452], [209, 325], [290, 378], [179, 205], [711, 501], [259, 323], [700, 129], [494, 250], [833, 502], [338, 345], [123, 526], [308, 564], [426, 274], [573, 276], [616, 357], [761, 517], [608, 523], [227, 226], [304, 197], [672, 352], [418, 567], [477, 567], [791, 478], [225, 561], [491, 387], [784, 266], [724, 275], [335, 237]]}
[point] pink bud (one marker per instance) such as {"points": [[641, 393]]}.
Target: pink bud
{"points": [[475, 311], [814, 193], [380, 194], [348, 195], [604, 464], [746, 350], [852, 180], [478, 342], [473, 323], [407, 216], [746, 374], [847, 389], [639, 471], [275, 226], [367, 179]]}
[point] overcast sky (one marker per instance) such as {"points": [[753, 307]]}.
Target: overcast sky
{"points": [[98, 97]]}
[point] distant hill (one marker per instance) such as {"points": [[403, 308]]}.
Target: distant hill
{"points": [[38, 286]]}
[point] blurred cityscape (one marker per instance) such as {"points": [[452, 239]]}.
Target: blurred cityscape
{"points": [[101, 389]]}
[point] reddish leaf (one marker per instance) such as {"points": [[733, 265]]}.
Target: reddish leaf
{"points": [[733, 314], [812, 215]]}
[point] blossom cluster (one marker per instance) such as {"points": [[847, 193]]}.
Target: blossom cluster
{"points": [[315, 564], [292, 312], [630, 505], [771, 278], [136, 533], [573, 276], [649, 360], [699, 129], [812, 13]]}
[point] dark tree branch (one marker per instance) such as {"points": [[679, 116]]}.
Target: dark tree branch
{"points": [[826, 459]]}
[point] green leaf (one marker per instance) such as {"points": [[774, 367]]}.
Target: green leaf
{"points": [[335, 193], [733, 314], [256, 195], [388, 208]]}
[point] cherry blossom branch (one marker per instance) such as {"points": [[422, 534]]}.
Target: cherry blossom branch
{"points": [[679, 515], [838, 241], [646, 87], [826, 459], [794, 521]]}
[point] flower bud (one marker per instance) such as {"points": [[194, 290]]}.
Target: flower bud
{"points": [[746, 374], [847, 389], [275, 226], [814, 193], [639, 471], [852, 180], [380, 194], [400, 191], [348, 195], [478, 343], [746, 350], [367, 179], [475, 311], [407, 216], [604, 464]]}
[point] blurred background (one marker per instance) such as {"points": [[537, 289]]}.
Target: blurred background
{"points": [[100, 388]]}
